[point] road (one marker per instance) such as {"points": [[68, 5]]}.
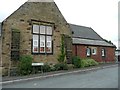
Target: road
{"points": [[104, 78]]}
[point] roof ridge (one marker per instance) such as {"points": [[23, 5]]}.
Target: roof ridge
{"points": [[78, 25], [88, 38], [40, 1], [85, 32]]}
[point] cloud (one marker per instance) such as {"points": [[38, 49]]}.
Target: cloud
{"points": [[101, 15], [7, 7]]}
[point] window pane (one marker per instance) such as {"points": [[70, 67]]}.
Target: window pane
{"points": [[42, 44], [49, 44], [103, 52], [35, 43], [42, 38], [94, 51], [49, 38], [35, 28], [42, 29], [88, 51], [49, 30]]}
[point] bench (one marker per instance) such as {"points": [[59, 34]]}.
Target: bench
{"points": [[34, 65]]}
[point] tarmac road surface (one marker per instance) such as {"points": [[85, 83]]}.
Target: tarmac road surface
{"points": [[103, 78]]}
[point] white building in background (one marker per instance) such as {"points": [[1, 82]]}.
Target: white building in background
{"points": [[117, 53]]}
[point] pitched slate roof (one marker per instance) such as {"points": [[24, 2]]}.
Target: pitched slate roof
{"points": [[87, 36], [91, 42], [84, 32]]}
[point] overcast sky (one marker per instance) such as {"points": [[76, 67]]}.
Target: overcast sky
{"points": [[119, 25], [101, 15]]}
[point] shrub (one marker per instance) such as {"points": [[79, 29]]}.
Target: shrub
{"points": [[61, 57], [53, 68], [93, 62], [76, 61], [25, 66], [84, 63], [46, 68], [70, 66], [88, 62], [61, 66]]}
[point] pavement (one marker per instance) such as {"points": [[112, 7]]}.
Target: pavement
{"points": [[7, 80]]}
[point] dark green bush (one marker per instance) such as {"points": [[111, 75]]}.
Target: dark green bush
{"points": [[25, 65], [61, 66], [53, 68], [61, 57], [46, 68], [76, 61]]}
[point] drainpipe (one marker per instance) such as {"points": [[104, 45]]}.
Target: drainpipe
{"points": [[76, 50]]}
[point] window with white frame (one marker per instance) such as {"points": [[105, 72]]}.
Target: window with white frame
{"points": [[103, 52], [42, 39], [88, 51], [94, 51], [35, 43]]}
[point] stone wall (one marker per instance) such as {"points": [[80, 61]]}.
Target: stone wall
{"points": [[22, 18], [0, 51]]}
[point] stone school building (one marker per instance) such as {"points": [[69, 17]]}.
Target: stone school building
{"points": [[36, 29]]}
